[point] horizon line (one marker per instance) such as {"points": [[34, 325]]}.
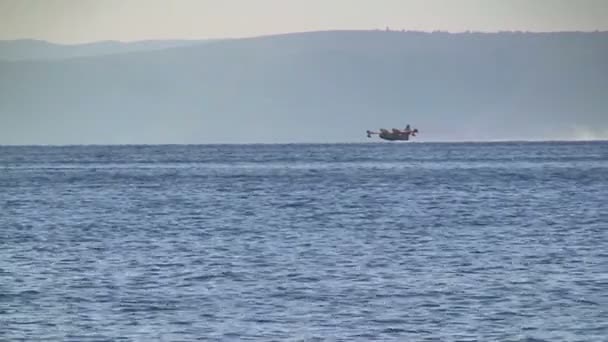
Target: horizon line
{"points": [[506, 141], [387, 30]]}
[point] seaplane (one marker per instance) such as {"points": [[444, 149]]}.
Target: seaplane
{"points": [[394, 134]]}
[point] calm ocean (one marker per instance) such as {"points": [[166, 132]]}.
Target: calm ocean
{"points": [[345, 242]]}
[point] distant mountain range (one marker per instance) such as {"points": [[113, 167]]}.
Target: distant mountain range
{"points": [[29, 49], [307, 87]]}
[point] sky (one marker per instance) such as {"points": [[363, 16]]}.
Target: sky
{"points": [[79, 21]]}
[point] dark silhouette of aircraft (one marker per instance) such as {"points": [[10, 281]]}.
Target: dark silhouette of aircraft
{"points": [[395, 134]]}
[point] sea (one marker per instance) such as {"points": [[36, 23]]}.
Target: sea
{"points": [[416, 241]]}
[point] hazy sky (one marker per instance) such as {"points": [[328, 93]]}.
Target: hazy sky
{"points": [[74, 21]]}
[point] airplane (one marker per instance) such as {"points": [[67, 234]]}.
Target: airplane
{"points": [[395, 134]]}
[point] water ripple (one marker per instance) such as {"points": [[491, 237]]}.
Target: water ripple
{"points": [[421, 242]]}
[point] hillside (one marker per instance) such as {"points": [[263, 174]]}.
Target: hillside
{"points": [[28, 49], [317, 87]]}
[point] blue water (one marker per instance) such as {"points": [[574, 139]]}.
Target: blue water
{"points": [[403, 242]]}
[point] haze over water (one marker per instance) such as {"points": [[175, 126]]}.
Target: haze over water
{"points": [[486, 241]]}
